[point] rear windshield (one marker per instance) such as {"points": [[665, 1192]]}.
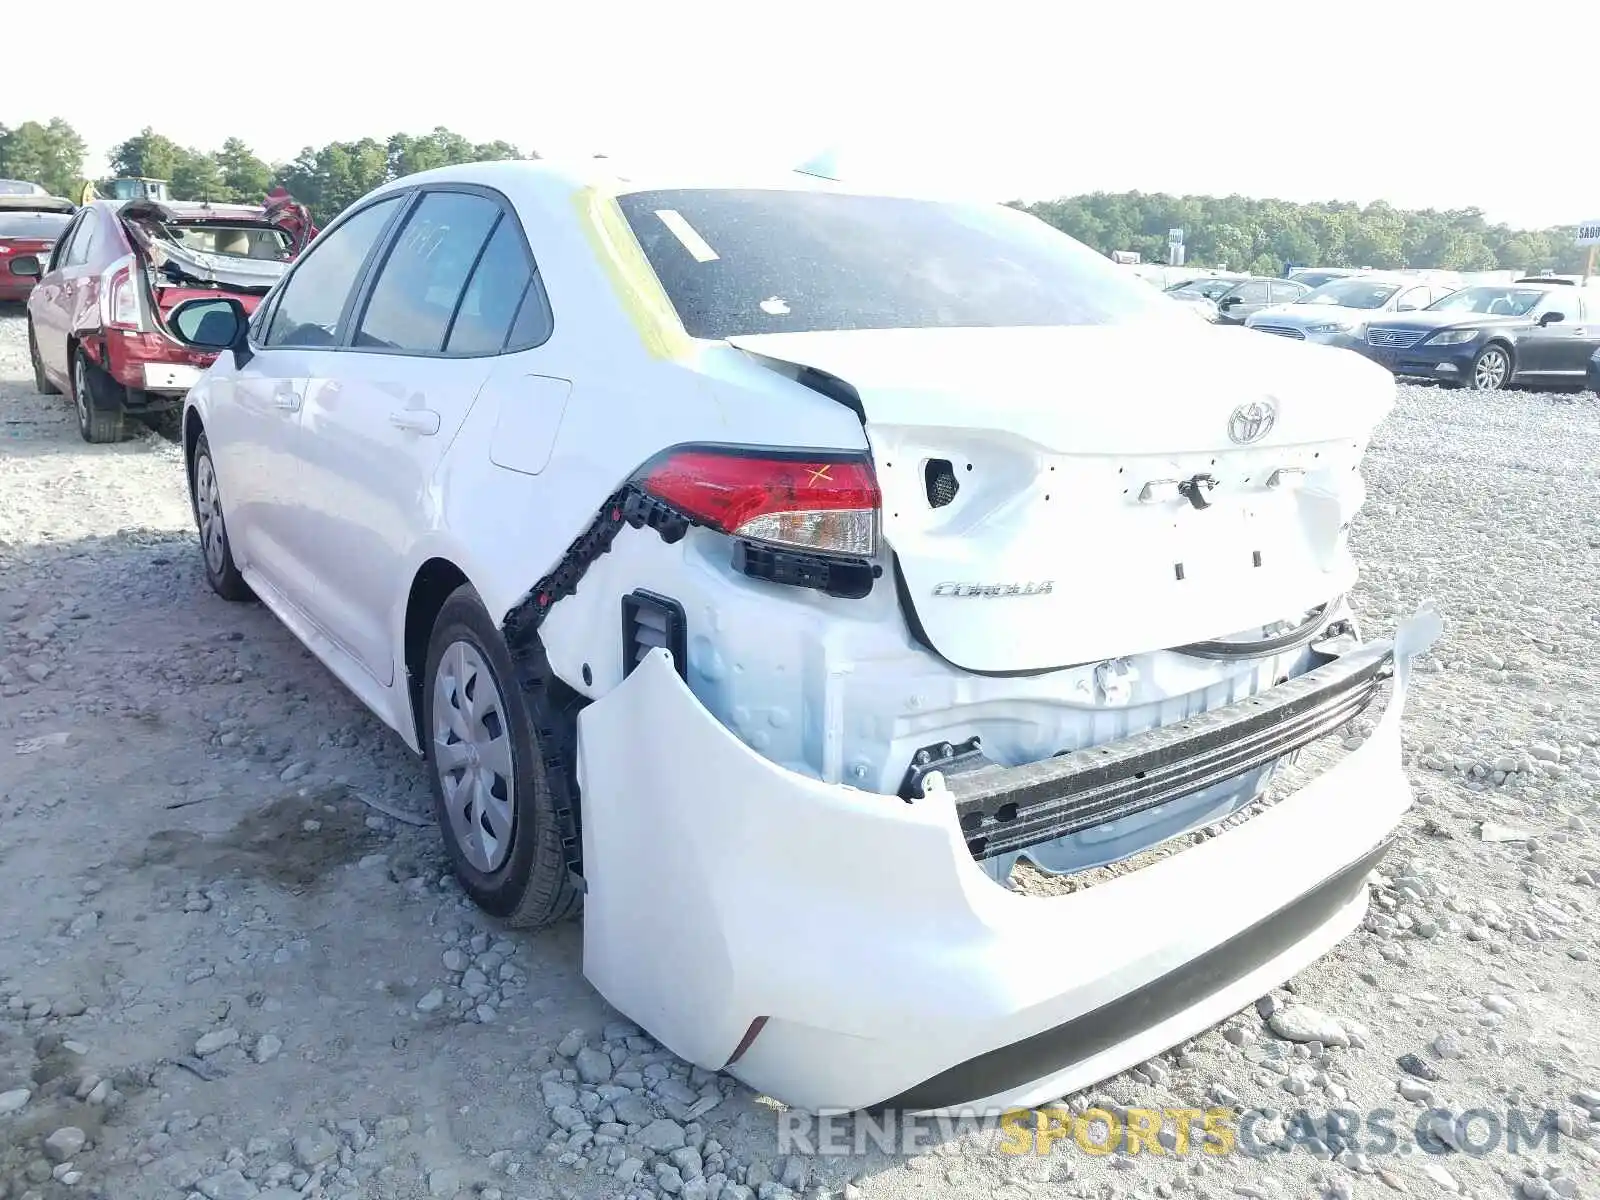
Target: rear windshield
{"points": [[33, 224], [243, 241], [1316, 278], [752, 261]]}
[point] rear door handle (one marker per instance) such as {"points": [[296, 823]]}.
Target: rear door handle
{"points": [[422, 421]]}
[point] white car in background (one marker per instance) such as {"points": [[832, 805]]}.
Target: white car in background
{"points": [[1338, 312], [772, 566]]}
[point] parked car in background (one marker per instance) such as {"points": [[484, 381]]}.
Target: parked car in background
{"points": [[30, 223], [1491, 337], [820, 451], [22, 187], [1593, 379], [1337, 313], [97, 320], [1233, 298], [1315, 277]]}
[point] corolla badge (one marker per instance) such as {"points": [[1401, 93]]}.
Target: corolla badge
{"points": [[965, 590], [1251, 422]]}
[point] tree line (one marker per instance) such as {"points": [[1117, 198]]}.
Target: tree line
{"points": [[1232, 231], [1261, 236], [326, 179]]}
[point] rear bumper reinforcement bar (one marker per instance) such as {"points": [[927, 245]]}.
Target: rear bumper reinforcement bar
{"points": [[1004, 809]]}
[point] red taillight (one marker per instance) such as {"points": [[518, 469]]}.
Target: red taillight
{"points": [[122, 302], [826, 503]]}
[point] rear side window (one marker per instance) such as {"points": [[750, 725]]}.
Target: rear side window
{"points": [[422, 279], [82, 242], [315, 293], [773, 261], [499, 283]]}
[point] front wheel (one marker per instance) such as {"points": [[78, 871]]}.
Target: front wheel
{"points": [[490, 772], [206, 496], [1491, 370]]}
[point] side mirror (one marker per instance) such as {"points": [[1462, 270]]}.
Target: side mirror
{"points": [[1229, 301], [26, 265], [1551, 318], [208, 324]]}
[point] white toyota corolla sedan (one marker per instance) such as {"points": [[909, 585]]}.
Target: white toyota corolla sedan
{"points": [[769, 566]]}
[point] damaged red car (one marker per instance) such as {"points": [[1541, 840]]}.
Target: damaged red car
{"points": [[97, 318], [30, 223]]}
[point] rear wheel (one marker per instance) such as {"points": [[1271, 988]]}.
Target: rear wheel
{"points": [[1491, 370], [41, 382], [490, 772], [221, 573], [89, 385]]}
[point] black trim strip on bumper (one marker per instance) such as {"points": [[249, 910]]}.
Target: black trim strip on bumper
{"points": [[1083, 1037], [1004, 809]]}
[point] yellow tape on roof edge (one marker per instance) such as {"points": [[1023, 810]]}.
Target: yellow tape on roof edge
{"points": [[632, 277]]}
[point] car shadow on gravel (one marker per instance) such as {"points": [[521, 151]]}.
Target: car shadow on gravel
{"points": [[51, 434]]}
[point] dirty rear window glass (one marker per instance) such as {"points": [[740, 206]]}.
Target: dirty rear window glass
{"points": [[739, 262], [33, 225]]}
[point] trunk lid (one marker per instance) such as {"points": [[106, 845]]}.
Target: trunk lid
{"points": [[1068, 535]]}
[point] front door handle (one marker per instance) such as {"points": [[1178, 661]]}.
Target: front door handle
{"points": [[287, 399], [422, 421]]}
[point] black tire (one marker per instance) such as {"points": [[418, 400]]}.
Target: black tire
{"points": [[41, 383], [221, 573], [530, 885], [1492, 381], [90, 388]]}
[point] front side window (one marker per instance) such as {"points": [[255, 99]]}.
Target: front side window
{"points": [[314, 296], [63, 247], [1250, 293], [738, 261], [422, 279], [1561, 300]]}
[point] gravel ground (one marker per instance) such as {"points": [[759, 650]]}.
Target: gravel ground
{"points": [[224, 973]]}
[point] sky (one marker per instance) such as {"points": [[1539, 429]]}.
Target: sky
{"points": [[1419, 102]]}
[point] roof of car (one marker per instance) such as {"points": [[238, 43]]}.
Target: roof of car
{"points": [[614, 177], [193, 210]]}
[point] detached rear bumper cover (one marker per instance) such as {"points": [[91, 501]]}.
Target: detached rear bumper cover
{"points": [[890, 968]]}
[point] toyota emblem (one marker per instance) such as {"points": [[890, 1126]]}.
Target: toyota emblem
{"points": [[1251, 422]]}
